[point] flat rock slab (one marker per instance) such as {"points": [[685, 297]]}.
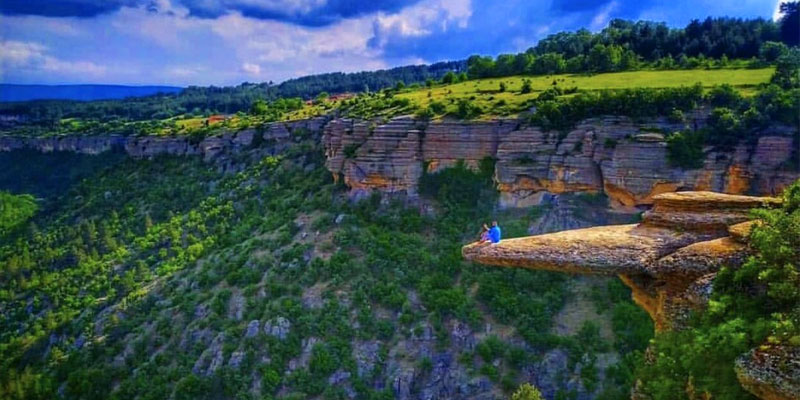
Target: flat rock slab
{"points": [[603, 250]]}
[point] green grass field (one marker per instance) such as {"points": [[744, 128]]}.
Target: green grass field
{"points": [[486, 92]]}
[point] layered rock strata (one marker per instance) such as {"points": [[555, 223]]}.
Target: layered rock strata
{"points": [[682, 239], [151, 146], [669, 261], [614, 155], [625, 159]]}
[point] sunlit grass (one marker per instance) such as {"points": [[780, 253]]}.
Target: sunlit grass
{"points": [[486, 92]]}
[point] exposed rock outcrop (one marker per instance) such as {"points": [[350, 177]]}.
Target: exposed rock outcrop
{"points": [[683, 238], [669, 261], [150, 146], [771, 372], [624, 159]]}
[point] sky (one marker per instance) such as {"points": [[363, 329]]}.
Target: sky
{"points": [[227, 42]]}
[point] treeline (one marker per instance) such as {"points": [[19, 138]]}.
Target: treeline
{"points": [[227, 100], [626, 45]]}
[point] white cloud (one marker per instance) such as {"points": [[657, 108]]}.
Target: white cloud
{"points": [[252, 69], [601, 19], [421, 20], [17, 55]]}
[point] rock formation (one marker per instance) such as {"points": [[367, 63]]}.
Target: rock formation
{"points": [[151, 146], [624, 159], [669, 261]]}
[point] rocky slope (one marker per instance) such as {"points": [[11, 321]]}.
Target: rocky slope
{"points": [[669, 261]]}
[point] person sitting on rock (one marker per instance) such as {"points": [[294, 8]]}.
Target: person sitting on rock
{"points": [[484, 234], [494, 233]]}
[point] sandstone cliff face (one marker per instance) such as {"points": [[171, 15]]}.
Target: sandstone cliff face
{"points": [[669, 261], [625, 160], [771, 372], [682, 239], [151, 146]]}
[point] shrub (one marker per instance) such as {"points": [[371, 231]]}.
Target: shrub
{"points": [[468, 110], [685, 149], [350, 150], [526, 86], [526, 391]]}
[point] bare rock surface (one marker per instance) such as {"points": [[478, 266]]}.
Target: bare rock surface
{"points": [[771, 372]]}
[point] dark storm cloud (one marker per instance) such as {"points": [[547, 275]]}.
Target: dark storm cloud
{"points": [[313, 14], [330, 12], [62, 8]]}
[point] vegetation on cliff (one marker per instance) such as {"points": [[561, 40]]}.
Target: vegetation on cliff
{"points": [[15, 210], [755, 305]]}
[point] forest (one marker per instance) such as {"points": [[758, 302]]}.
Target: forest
{"points": [[257, 275]]}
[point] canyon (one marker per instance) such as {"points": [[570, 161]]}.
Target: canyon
{"points": [[626, 160], [668, 260]]}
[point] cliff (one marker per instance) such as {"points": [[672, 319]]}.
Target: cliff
{"points": [[669, 261], [624, 159], [151, 146]]}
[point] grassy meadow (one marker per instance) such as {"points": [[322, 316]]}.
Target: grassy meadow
{"points": [[487, 94]]}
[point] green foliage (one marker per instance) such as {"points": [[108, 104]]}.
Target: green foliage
{"points": [[564, 112], [526, 391], [685, 149], [787, 70], [526, 86], [467, 110], [627, 45], [15, 210], [754, 304], [458, 186], [772, 51]]}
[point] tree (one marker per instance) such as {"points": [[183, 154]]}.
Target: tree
{"points": [[259, 107], [790, 22], [480, 67], [526, 391], [771, 51], [549, 63], [449, 78], [526, 86], [787, 70], [502, 86]]}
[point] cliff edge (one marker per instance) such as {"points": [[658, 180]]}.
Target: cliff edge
{"points": [[669, 261]]}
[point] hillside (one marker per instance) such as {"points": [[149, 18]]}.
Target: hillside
{"points": [[315, 239], [11, 92], [183, 280]]}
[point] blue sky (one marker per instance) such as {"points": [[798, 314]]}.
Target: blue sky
{"points": [[225, 42]]}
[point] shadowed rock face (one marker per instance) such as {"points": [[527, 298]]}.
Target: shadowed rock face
{"points": [[669, 261]]}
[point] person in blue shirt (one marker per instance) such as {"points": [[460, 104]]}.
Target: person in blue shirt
{"points": [[494, 233]]}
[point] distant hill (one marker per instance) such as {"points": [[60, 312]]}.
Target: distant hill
{"points": [[13, 92]]}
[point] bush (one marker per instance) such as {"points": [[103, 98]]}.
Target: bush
{"points": [[526, 391], [526, 86], [685, 149], [467, 110]]}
